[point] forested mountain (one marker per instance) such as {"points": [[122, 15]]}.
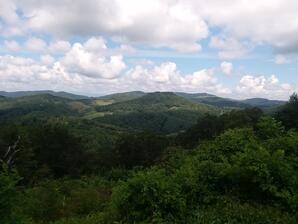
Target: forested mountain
{"points": [[43, 92], [231, 103], [158, 112], [120, 97], [161, 112], [147, 158], [153, 102], [262, 103], [39, 106]]}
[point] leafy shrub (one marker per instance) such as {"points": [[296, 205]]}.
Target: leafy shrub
{"points": [[148, 197]]}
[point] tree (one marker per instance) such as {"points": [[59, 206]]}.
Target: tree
{"points": [[58, 149], [268, 127], [210, 126], [141, 149], [8, 194], [288, 114]]}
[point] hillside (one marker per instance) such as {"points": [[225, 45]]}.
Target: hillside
{"points": [[162, 112], [213, 100], [42, 92], [262, 102], [153, 102], [204, 98], [209, 99], [159, 112], [120, 97], [84, 160], [38, 106]]}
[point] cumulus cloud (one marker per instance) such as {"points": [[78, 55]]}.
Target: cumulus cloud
{"points": [[167, 77], [59, 46], [229, 48], [270, 21], [80, 66], [11, 45], [74, 72], [18, 73], [80, 59], [10, 23], [281, 59], [35, 44], [171, 24], [226, 67], [175, 24], [47, 59], [260, 86]]}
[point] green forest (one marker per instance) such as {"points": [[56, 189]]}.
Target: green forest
{"points": [[148, 158]]}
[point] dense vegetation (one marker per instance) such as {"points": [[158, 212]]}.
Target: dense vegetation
{"points": [[60, 165]]}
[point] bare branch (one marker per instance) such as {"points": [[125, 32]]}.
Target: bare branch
{"points": [[10, 154]]}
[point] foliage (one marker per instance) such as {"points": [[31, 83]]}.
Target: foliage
{"points": [[237, 167], [59, 150], [210, 126], [288, 114], [234, 165], [59, 199], [143, 149], [8, 194], [148, 197]]}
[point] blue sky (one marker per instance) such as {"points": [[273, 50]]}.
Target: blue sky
{"points": [[231, 48]]}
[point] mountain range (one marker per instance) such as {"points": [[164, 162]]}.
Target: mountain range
{"points": [[161, 112], [125, 96]]}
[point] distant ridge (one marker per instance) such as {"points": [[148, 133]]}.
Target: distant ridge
{"points": [[262, 102], [204, 98], [41, 92], [160, 112], [120, 97]]}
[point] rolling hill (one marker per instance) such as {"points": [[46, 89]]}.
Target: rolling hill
{"points": [[230, 103], [42, 92], [262, 103], [38, 106], [159, 112], [204, 98], [153, 102], [213, 100], [120, 97], [162, 112]]}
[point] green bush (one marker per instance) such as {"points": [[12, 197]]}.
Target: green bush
{"points": [[149, 197], [8, 196]]}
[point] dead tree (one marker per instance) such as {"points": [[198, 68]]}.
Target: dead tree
{"points": [[9, 157]]}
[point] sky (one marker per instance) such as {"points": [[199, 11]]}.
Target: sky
{"points": [[231, 48]]}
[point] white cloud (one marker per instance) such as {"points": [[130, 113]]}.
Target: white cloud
{"points": [[35, 44], [10, 23], [8, 12], [166, 77], [79, 68], [175, 24], [271, 21], [155, 23], [229, 48], [163, 72], [281, 59], [18, 73], [260, 86], [59, 46], [85, 61], [226, 67], [47, 59], [96, 44], [11, 45]]}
